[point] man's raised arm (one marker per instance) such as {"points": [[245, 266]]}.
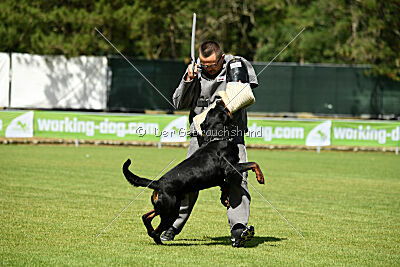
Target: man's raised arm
{"points": [[185, 93]]}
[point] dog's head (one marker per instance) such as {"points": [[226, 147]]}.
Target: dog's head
{"points": [[218, 123]]}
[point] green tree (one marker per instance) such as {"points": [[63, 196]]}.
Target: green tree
{"points": [[339, 31]]}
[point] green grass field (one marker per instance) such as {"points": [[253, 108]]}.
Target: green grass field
{"points": [[56, 199]]}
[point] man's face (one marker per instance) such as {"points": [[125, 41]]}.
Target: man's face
{"points": [[212, 65]]}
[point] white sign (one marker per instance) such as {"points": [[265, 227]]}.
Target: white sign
{"points": [[236, 65], [21, 126], [320, 135], [175, 131]]}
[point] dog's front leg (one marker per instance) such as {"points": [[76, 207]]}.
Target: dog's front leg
{"points": [[155, 234], [242, 167], [224, 195]]}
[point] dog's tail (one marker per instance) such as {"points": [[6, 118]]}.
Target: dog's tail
{"points": [[136, 180]]}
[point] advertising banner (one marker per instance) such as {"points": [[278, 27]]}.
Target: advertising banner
{"points": [[135, 127], [365, 133], [174, 128], [289, 132]]}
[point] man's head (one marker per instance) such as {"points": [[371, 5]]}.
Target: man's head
{"points": [[211, 57]]}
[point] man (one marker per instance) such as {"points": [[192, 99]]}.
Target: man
{"points": [[197, 90]]}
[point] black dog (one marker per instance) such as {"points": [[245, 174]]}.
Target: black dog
{"points": [[216, 163]]}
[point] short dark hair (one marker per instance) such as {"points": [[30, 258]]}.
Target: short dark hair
{"points": [[207, 48]]}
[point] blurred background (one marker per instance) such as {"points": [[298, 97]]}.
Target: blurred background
{"points": [[346, 62]]}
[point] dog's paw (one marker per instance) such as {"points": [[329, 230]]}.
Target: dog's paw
{"points": [[260, 177], [224, 200], [226, 203], [259, 174], [157, 239]]}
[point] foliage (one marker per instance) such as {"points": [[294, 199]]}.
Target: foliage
{"points": [[340, 31]]}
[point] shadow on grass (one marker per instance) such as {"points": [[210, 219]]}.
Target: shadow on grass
{"points": [[225, 240]]}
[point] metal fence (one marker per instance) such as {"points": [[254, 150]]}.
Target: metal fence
{"points": [[318, 89]]}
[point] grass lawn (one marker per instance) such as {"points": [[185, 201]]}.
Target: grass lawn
{"points": [[56, 199]]}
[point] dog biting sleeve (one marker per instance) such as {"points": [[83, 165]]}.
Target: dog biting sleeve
{"points": [[198, 120], [237, 95]]}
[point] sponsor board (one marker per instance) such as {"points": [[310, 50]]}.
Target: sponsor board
{"points": [[164, 128], [278, 132], [173, 128], [365, 133], [324, 133]]}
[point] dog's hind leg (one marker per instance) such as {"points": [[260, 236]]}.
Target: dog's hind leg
{"points": [[169, 211], [147, 218], [166, 222], [242, 167]]}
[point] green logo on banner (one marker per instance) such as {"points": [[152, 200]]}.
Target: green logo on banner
{"points": [[21, 126], [320, 135]]}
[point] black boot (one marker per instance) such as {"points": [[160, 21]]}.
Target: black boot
{"points": [[169, 234], [241, 234]]}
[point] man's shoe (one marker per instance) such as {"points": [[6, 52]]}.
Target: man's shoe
{"points": [[246, 235], [169, 234]]}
